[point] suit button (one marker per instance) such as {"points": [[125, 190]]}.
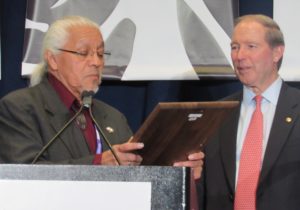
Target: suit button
{"points": [[231, 197]]}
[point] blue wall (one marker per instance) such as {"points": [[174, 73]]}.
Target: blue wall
{"points": [[134, 99]]}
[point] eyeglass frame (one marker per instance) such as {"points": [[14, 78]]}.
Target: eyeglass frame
{"points": [[84, 54]]}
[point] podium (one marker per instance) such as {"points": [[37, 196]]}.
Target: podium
{"points": [[74, 187]]}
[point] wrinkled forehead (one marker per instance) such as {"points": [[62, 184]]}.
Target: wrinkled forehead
{"points": [[85, 36], [251, 25], [248, 29]]}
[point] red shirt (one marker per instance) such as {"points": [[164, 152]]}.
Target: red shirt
{"points": [[70, 102]]}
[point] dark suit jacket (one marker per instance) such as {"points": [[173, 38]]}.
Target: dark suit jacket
{"points": [[279, 182], [30, 117]]}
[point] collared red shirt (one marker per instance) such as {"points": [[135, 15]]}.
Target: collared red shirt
{"points": [[69, 101]]}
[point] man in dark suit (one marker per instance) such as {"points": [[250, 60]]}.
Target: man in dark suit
{"points": [[72, 54], [256, 49], [73, 51]]}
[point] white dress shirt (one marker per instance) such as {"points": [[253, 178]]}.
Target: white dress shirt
{"points": [[268, 108]]}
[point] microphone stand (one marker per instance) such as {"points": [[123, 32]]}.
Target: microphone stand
{"points": [[56, 135], [87, 103], [104, 138]]}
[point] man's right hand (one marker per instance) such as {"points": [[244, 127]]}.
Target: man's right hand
{"points": [[125, 153]]}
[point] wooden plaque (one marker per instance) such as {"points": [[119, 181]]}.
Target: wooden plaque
{"points": [[174, 130]]}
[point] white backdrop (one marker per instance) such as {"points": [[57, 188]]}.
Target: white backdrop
{"points": [[286, 14], [77, 195], [147, 39]]}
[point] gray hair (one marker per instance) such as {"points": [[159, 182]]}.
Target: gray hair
{"points": [[274, 35], [55, 38]]}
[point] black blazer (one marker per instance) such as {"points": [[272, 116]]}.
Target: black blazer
{"points": [[30, 117], [279, 182]]}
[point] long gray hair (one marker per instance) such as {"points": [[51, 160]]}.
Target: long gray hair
{"points": [[55, 38]]}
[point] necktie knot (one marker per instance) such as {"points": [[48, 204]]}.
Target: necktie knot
{"points": [[258, 99]]}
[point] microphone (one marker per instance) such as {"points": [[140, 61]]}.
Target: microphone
{"points": [[87, 102], [58, 133], [86, 97]]}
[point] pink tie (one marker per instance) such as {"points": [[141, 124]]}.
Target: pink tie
{"points": [[250, 162]]}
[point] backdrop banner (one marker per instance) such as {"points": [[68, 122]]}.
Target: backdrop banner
{"points": [[0, 46], [147, 39], [287, 15]]}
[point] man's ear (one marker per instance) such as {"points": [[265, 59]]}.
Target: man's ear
{"points": [[278, 53], [51, 59]]}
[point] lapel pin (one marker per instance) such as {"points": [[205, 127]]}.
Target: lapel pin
{"points": [[288, 119], [109, 129]]}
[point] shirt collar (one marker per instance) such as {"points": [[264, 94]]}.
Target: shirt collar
{"points": [[271, 94], [65, 95]]}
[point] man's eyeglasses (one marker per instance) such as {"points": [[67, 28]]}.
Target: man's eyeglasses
{"points": [[85, 54]]}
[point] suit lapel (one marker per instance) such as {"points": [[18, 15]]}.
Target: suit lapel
{"points": [[228, 134], [286, 108], [76, 147], [58, 116]]}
